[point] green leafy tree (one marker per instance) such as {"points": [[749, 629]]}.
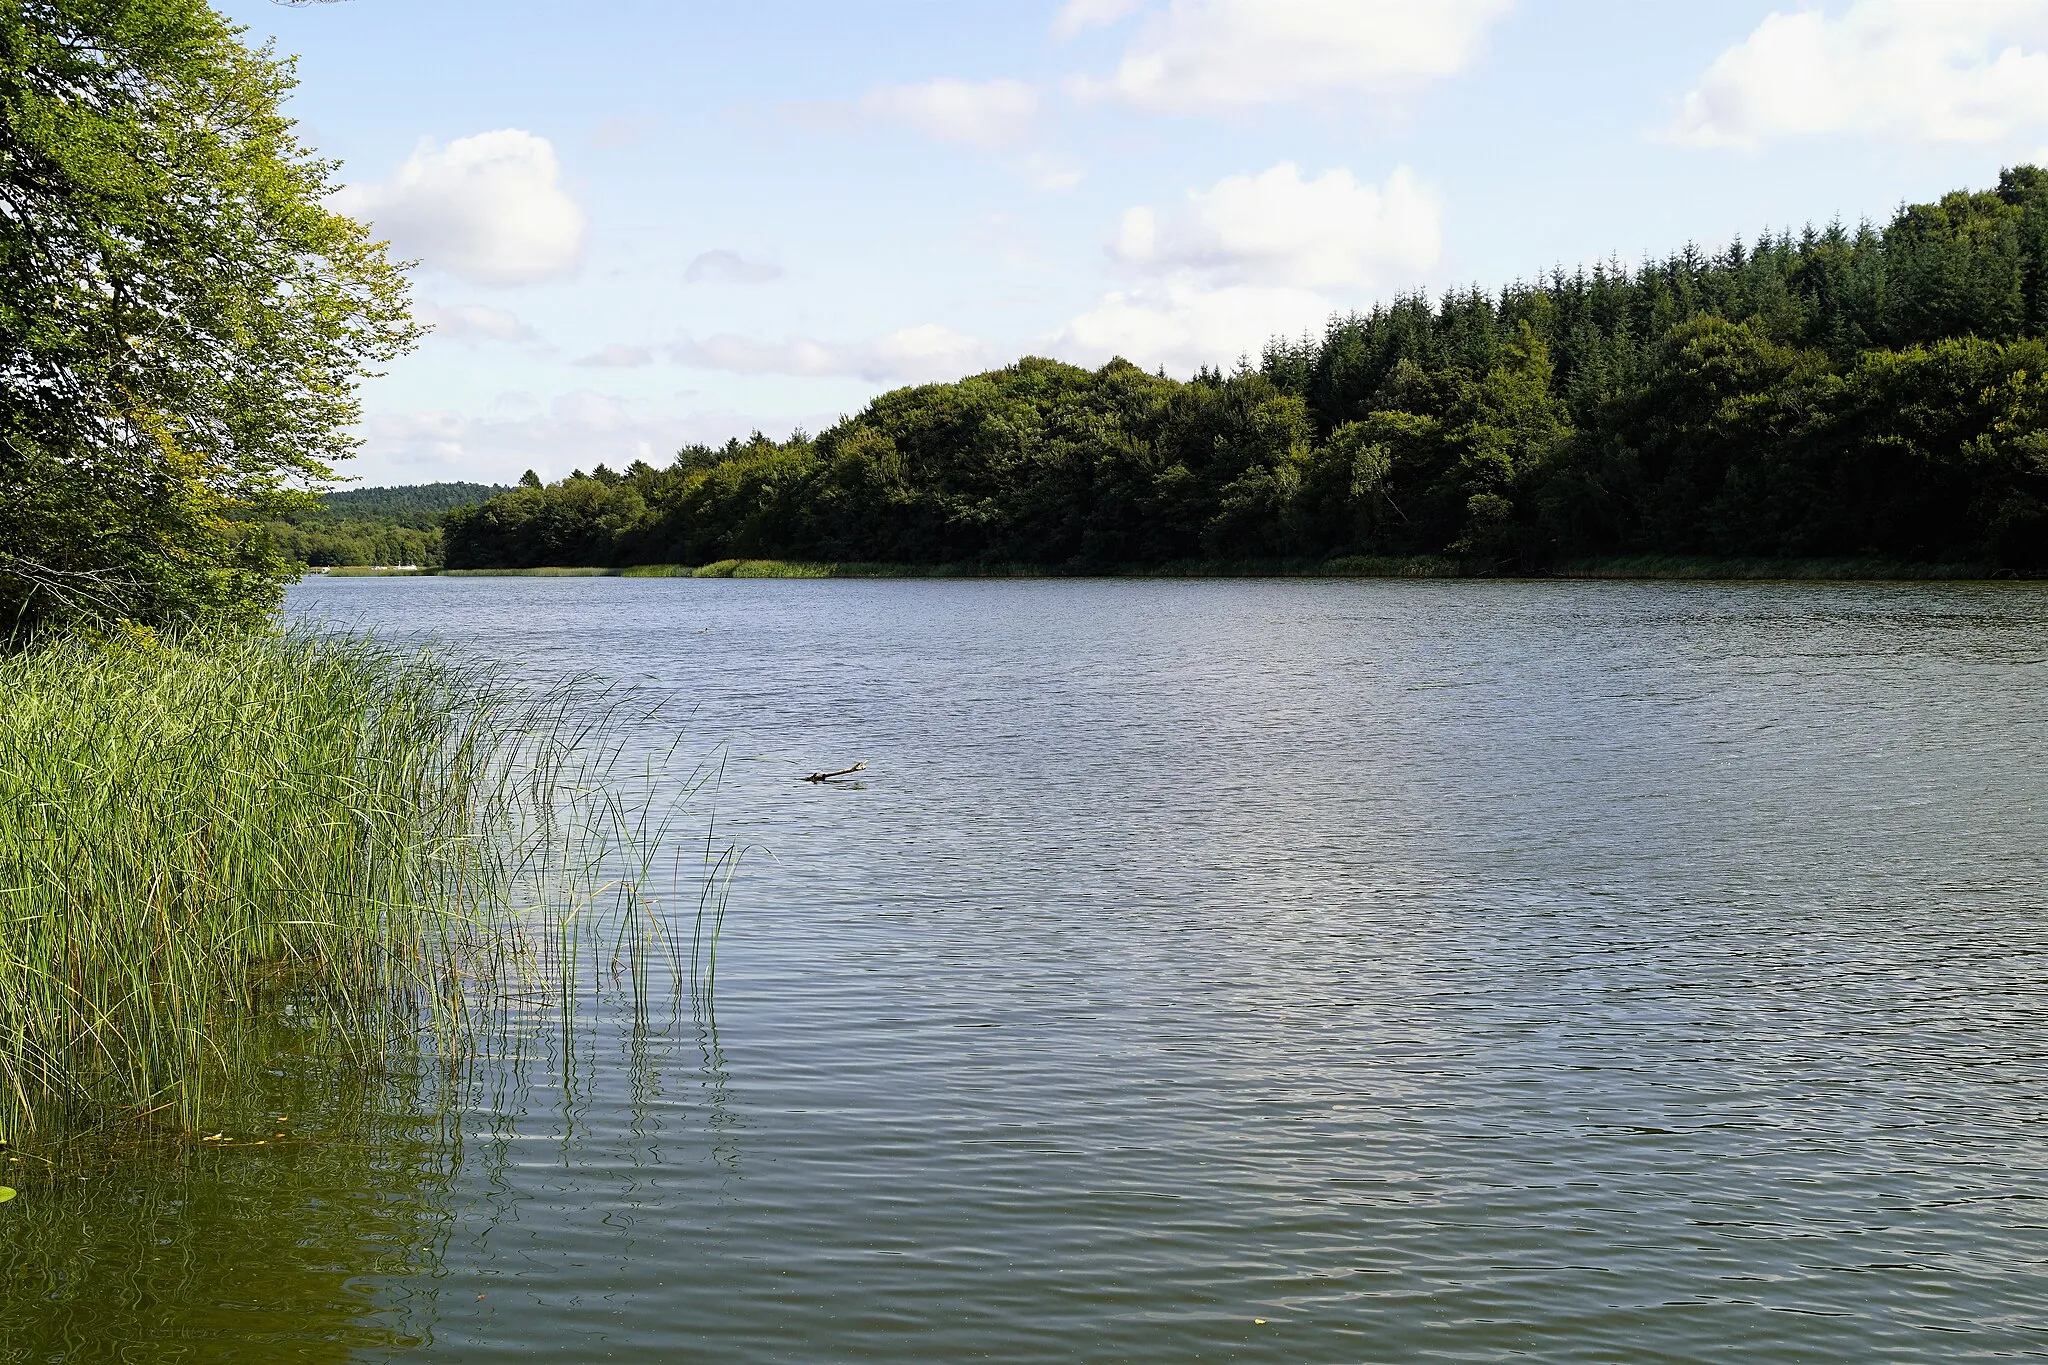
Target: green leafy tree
{"points": [[1867, 393], [183, 322]]}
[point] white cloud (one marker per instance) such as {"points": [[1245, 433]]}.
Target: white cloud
{"points": [[467, 324], [578, 429], [1953, 71], [1278, 229], [1080, 15], [1051, 174], [990, 114], [1249, 259], [914, 355], [487, 208], [618, 357], [1206, 55], [729, 267], [1183, 326]]}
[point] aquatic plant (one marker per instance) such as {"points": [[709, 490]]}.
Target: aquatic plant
{"points": [[369, 846]]}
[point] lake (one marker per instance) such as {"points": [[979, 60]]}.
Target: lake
{"points": [[1234, 970]]}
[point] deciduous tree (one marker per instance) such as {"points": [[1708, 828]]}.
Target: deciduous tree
{"points": [[183, 321]]}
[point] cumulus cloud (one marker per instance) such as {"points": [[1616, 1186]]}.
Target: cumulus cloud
{"points": [[618, 357], [1209, 55], [488, 208], [729, 267], [1183, 325], [1277, 228], [467, 324], [578, 429], [1077, 16], [1050, 173], [914, 355], [1953, 71], [985, 114], [1253, 257]]}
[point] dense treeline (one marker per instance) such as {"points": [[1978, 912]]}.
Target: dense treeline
{"points": [[355, 543], [1835, 393], [354, 526]]}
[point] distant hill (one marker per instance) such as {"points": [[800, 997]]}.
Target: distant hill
{"points": [[419, 506], [395, 525]]}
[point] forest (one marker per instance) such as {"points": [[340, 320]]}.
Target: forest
{"points": [[362, 526], [1876, 392]]}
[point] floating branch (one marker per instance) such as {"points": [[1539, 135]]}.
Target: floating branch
{"points": [[860, 767]]}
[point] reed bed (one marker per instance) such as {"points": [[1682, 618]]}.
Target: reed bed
{"points": [[202, 843]]}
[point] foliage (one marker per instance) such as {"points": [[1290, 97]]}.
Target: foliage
{"points": [[417, 507], [358, 526], [183, 830], [183, 321], [1855, 396], [207, 844], [344, 543]]}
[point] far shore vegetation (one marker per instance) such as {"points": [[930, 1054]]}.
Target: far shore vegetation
{"points": [[1676, 567], [1873, 396], [380, 527]]}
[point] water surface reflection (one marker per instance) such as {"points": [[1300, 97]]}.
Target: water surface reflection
{"points": [[1589, 970]]}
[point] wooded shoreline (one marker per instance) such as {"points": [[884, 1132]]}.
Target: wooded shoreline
{"points": [[1619, 568], [1851, 397]]}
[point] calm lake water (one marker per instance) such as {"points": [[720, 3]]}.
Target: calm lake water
{"points": [[1270, 971]]}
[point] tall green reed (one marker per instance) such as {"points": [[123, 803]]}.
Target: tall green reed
{"points": [[201, 842]]}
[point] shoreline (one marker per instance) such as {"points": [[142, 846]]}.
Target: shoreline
{"points": [[1615, 568]]}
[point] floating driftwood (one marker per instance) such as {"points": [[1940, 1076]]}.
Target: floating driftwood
{"points": [[860, 767]]}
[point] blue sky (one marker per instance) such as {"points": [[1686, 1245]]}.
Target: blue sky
{"points": [[641, 225]]}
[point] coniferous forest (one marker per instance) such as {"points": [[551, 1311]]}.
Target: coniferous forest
{"points": [[1832, 393]]}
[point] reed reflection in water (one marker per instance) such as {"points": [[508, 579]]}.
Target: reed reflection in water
{"points": [[1293, 971]]}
